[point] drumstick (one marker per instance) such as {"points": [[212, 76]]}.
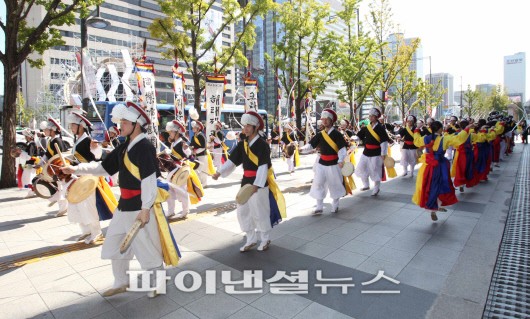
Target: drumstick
{"points": [[60, 154]]}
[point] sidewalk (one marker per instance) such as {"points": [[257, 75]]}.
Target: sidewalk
{"points": [[444, 268]]}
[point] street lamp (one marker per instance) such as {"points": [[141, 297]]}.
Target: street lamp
{"points": [[93, 20]]}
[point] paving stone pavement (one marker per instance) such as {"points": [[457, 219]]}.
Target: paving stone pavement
{"points": [[443, 268]]}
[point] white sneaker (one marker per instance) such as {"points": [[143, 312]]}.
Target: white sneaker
{"points": [[61, 213], [247, 247], [181, 215], [264, 245], [93, 239], [375, 191]]}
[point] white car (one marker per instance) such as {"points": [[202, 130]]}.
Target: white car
{"points": [[20, 141]]}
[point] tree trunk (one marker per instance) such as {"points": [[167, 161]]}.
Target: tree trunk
{"points": [[197, 93], [11, 71]]}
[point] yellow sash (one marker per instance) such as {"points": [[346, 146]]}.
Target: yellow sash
{"points": [[390, 172], [349, 184], [80, 158], [330, 141], [176, 154], [211, 168], [169, 249], [409, 131], [374, 134], [296, 153], [273, 186], [49, 147]]}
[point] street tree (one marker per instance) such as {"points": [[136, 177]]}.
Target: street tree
{"points": [[296, 56], [191, 32], [471, 102], [22, 38], [351, 58], [407, 85], [429, 95]]}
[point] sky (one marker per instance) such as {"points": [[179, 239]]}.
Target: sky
{"points": [[465, 38]]}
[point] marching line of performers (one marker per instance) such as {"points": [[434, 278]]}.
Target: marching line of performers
{"points": [[82, 191]]}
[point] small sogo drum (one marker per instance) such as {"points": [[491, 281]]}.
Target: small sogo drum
{"points": [[81, 188], [245, 192], [129, 237], [290, 149], [51, 170], [166, 162], [43, 188], [347, 169], [179, 176], [389, 162]]}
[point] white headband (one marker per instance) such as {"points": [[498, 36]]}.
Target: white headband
{"points": [[374, 112], [326, 114], [248, 119]]}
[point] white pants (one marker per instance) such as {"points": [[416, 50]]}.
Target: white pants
{"points": [[503, 149], [369, 167], [145, 246], [217, 155], [85, 213], [27, 176], [275, 150], [203, 169], [60, 196], [290, 163], [254, 216], [327, 178], [181, 194], [408, 158]]}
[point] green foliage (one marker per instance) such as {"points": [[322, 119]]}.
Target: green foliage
{"points": [[27, 38], [182, 34], [351, 58], [297, 55]]}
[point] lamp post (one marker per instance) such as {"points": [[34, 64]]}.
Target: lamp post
{"points": [[93, 20]]}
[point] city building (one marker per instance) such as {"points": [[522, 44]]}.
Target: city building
{"points": [[268, 33], [447, 105], [52, 86], [486, 88], [515, 76]]}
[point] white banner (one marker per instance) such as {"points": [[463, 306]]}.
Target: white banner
{"points": [[251, 95], [178, 87], [89, 74], [214, 93], [146, 87]]}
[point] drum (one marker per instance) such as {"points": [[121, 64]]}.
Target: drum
{"points": [[81, 189], [44, 189], [180, 176], [289, 150], [166, 163], [347, 169], [389, 162], [244, 194], [127, 240], [51, 170]]}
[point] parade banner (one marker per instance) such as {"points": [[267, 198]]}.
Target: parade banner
{"points": [[145, 75], [251, 95], [178, 88], [89, 74], [214, 95], [280, 94]]}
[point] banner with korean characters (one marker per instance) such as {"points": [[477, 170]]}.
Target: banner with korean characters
{"points": [[178, 88], [214, 93], [251, 95], [145, 75]]}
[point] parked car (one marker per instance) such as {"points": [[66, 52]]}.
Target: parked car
{"points": [[20, 140]]}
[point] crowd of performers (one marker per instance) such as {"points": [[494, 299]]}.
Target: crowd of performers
{"points": [[459, 154]]}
